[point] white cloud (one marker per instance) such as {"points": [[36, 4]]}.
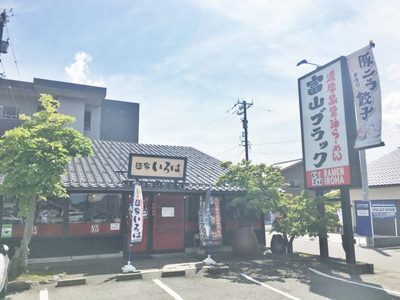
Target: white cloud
{"points": [[78, 71]]}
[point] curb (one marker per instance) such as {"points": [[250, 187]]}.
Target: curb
{"points": [[173, 273], [129, 276], [71, 282], [18, 286]]}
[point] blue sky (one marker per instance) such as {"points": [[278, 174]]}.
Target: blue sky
{"points": [[188, 62]]}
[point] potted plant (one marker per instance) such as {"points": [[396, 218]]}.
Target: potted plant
{"points": [[261, 185]]}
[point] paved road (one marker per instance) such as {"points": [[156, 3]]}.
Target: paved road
{"points": [[384, 259]]}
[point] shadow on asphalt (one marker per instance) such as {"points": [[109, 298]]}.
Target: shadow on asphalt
{"points": [[280, 268], [267, 268], [380, 251], [339, 290]]}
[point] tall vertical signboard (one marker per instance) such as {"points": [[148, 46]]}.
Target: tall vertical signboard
{"points": [[327, 122], [328, 133]]}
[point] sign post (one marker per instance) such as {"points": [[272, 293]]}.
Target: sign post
{"points": [[367, 101], [328, 133], [210, 229], [136, 225]]}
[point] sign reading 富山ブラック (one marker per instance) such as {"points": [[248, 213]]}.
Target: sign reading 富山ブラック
{"points": [[154, 166], [325, 117]]}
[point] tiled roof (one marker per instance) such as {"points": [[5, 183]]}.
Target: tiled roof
{"points": [[107, 167], [385, 170], [288, 164]]}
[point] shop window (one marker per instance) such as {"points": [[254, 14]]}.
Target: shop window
{"points": [[50, 212], [10, 211], [77, 208], [9, 112], [96, 208], [294, 183], [87, 120]]}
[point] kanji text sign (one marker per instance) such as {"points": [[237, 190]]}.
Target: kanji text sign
{"points": [[151, 166], [325, 145]]}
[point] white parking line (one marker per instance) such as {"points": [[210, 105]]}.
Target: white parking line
{"points": [[269, 287], [356, 283], [167, 289], [44, 294]]}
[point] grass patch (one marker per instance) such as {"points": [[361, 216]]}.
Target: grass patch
{"points": [[37, 276]]}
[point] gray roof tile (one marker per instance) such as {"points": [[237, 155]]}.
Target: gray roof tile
{"points": [[107, 167], [385, 170]]}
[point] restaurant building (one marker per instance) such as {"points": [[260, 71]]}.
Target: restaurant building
{"points": [[95, 217]]}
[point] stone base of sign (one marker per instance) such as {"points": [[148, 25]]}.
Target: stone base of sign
{"points": [[381, 242]]}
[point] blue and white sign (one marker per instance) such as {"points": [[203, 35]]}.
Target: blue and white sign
{"points": [[363, 218], [383, 209]]}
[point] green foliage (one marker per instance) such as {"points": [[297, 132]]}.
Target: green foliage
{"points": [[298, 215], [34, 156], [261, 183], [295, 215]]}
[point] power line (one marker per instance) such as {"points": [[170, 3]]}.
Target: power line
{"points": [[213, 126], [272, 111], [236, 156], [228, 150], [13, 53], [278, 143]]}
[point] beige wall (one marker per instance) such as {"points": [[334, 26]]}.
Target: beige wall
{"points": [[384, 193]]}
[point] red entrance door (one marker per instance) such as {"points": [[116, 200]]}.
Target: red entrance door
{"points": [[168, 222]]}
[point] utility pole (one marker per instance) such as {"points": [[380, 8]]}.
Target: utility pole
{"points": [[3, 49], [242, 110], [3, 44]]}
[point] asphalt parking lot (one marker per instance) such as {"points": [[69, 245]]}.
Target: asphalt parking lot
{"points": [[264, 277]]}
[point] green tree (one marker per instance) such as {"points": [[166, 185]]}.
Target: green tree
{"points": [[262, 184], [32, 159], [295, 216], [298, 215]]}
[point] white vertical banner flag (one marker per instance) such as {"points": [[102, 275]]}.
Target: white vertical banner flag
{"points": [[367, 97], [137, 215]]}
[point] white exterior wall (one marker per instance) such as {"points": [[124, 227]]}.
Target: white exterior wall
{"points": [[73, 107]]}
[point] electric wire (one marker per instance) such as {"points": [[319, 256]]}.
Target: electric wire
{"points": [[211, 128], [272, 111], [278, 143], [13, 53]]}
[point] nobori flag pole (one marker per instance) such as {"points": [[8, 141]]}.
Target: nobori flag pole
{"points": [[208, 226], [136, 225]]}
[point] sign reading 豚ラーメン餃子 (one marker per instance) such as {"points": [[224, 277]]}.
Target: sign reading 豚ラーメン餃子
{"points": [[155, 166], [325, 114]]}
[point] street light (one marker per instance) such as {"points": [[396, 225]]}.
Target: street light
{"points": [[304, 61]]}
